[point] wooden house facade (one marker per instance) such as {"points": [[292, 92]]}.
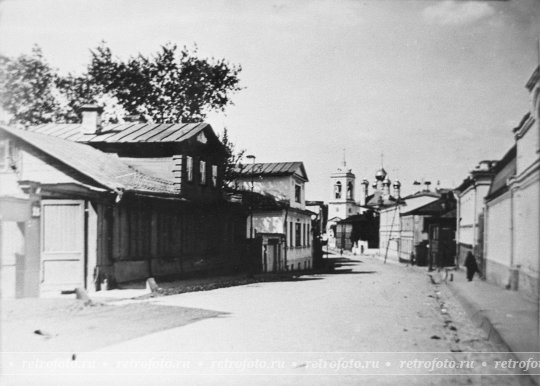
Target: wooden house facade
{"points": [[92, 216], [278, 208]]}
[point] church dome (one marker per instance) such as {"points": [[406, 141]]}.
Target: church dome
{"points": [[381, 174], [397, 184], [386, 181]]}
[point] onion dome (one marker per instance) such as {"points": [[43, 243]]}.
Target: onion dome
{"points": [[381, 174], [397, 184], [386, 182], [365, 182]]}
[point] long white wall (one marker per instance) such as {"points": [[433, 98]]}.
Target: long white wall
{"points": [[499, 230]]}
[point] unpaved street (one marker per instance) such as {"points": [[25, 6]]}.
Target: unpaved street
{"points": [[368, 323]]}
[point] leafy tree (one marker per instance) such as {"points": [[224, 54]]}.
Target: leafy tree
{"points": [[172, 86], [27, 88], [233, 162]]}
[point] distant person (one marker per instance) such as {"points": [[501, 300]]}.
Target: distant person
{"points": [[471, 265]]}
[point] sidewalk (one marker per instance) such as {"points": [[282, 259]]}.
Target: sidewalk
{"points": [[505, 316]]}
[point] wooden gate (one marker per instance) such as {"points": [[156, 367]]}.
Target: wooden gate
{"points": [[442, 246], [62, 245]]}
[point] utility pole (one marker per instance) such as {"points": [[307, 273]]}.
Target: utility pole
{"points": [[252, 158]]}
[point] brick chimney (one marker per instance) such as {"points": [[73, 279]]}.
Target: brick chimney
{"points": [[91, 119]]}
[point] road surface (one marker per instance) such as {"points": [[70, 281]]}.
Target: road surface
{"points": [[367, 323]]}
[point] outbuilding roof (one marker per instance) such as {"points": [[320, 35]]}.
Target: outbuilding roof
{"points": [[505, 169], [273, 169], [105, 169], [130, 132]]}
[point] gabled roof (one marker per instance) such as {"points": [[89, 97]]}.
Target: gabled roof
{"points": [[439, 207], [261, 201], [130, 132], [273, 169], [423, 193], [357, 218], [505, 169], [156, 167], [105, 169]]}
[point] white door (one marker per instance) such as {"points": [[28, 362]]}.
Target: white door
{"points": [[62, 245]]}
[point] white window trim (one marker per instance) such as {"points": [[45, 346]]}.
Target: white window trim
{"points": [[214, 175], [202, 172], [189, 168], [5, 159]]}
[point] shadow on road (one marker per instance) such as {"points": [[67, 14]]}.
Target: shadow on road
{"points": [[350, 272], [344, 265]]}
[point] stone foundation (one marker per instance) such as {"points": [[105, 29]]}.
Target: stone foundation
{"points": [[501, 275]]}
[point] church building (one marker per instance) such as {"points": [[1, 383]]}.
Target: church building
{"points": [[354, 224]]}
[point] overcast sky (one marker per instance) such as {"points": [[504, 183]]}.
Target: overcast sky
{"points": [[434, 85]]}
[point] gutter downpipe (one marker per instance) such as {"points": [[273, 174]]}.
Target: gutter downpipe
{"points": [[475, 219], [286, 229], [458, 224]]}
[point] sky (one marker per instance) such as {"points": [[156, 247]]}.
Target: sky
{"points": [[432, 86]]}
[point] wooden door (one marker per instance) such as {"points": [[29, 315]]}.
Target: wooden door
{"points": [[62, 245]]}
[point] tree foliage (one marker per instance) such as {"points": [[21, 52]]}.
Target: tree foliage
{"points": [[234, 162], [28, 88], [171, 86]]}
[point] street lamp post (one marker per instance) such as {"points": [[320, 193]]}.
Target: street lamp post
{"points": [[252, 158]]}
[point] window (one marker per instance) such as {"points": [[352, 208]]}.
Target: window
{"points": [[202, 138], [9, 157], [4, 155], [291, 233], [202, 174], [337, 190], [350, 191], [189, 168], [214, 175], [309, 235], [298, 193], [298, 234]]}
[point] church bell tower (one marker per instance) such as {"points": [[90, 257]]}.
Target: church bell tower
{"points": [[342, 203]]}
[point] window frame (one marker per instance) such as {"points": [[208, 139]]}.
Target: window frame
{"points": [[202, 172], [298, 234], [5, 158], [298, 193], [189, 168], [214, 175]]}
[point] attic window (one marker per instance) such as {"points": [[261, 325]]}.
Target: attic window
{"points": [[202, 138], [298, 193]]}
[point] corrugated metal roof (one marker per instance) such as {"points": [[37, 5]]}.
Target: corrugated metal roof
{"points": [[156, 167], [273, 169], [125, 132], [505, 169], [105, 169]]}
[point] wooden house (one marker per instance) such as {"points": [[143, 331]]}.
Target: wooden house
{"points": [[282, 212], [84, 209]]}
